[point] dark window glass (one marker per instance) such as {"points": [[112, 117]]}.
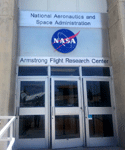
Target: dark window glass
{"points": [[98, 94], [100, 126], [33, 71], [67, 127], [32, 126], [95, 71], [64, 71], [66, 94], [32, 94]]}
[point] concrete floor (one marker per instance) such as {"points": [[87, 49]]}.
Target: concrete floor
{"points": [[94, 148], [83, 148]]}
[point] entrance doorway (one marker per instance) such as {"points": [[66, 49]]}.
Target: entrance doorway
{"points": [[100, 119], [32, 113], [37, 114], [78, 112], [67, 126]]}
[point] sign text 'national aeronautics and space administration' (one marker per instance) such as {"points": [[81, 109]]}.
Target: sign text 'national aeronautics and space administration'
{"points": [[57, 61], [62, 19]]}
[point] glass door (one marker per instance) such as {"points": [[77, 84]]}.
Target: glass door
{"points": [[99, 112], [66, 110], [32, 107]]}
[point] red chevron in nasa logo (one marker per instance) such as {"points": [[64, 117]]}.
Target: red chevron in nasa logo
{"points": [[64, 40]]}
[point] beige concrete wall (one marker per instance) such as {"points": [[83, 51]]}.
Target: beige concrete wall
{"points": [[8, 46], [8, 36], [64, 5], [116, 10]]}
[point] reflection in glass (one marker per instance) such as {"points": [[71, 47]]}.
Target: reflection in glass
{"points": [[101, 126], [64, 71], [98, 94], [67, 127], [95, 71], [66, 94], [32, 94], [33, 71], [32, 126]]}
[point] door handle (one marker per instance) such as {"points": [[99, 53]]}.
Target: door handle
{"points": [[81, 109], [17, 111], [53, 111], [87, 112]]}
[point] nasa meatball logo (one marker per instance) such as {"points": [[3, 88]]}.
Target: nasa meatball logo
{"points": [[64, 40]]}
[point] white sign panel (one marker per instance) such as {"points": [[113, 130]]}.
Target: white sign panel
{"points": [[63, 61], [62, 19]]}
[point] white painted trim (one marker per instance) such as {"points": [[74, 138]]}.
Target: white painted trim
{"points": [[4, 129], [11, 139], [11, 144]]}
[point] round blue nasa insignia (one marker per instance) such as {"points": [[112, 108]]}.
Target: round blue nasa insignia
{"points": [[64, 40]]}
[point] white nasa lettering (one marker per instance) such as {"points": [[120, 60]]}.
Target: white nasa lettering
{"points": [[72, 41], [63, 41], [67, 40], [56, 40]]}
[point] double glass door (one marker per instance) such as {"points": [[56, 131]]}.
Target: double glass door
{"points": [[57, 120]]}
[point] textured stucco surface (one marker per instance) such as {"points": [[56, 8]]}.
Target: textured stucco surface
{"points": [[8, 47], [64, 5], [8, 25], [116, 10]]}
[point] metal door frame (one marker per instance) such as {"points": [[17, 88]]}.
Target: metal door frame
{"points": [[105, 141], [83, 104], [40, 111], [62, 142]]}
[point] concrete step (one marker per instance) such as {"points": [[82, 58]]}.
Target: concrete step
{"points": [[84, 148], [94, 148]]}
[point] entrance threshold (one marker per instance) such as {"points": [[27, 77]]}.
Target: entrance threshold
{"points": [[84, 148]]}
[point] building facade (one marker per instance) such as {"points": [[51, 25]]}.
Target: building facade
{"points": [[62, 72]]}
